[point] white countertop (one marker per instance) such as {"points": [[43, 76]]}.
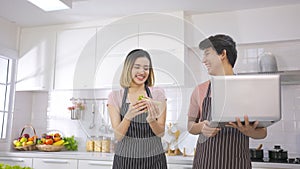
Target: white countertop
{"points": [[109, 157]]}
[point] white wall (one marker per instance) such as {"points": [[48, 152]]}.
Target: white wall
{"points": [[8, 34], [250, 26]]}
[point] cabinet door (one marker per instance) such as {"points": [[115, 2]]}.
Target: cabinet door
{"points": [[75, 59], [36, 62], [164, 39], [114, 42], [84, 164], [179, 166], [23, 162], [54, 163]]}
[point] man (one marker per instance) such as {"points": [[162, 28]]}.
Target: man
{"points": [[219, 148]]}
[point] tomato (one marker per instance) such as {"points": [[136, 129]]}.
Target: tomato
{"points": [[49, 141]]}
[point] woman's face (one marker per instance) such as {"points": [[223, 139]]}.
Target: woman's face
{"points": [[140, 70], [212, 61]]}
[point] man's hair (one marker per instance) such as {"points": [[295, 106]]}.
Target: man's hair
{"points": [[219, 43]]}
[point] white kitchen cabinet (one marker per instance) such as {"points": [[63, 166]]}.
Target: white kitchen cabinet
{"points": [[36, 59], [162, 36], [75, 59], [41, 163], [164, 39], [84, 164], [21, 161], [179, 166], [114, 42]]}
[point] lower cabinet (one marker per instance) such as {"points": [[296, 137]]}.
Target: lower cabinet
{"points": [[41, 163], [23, 162], [88, 164], [179, 166]]}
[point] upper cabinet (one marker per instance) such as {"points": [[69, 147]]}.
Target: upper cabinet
{"points": [[160, 34], [75, 59], [114, 42], [36, 59], [93, 57], [163, 37]]}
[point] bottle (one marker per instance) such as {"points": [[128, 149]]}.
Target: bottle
{"points": [[106, 145], [90, 144], [98, 144]]}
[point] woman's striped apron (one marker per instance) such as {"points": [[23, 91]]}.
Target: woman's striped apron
{"points": [[140, 148]]}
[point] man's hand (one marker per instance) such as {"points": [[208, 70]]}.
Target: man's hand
{"points": [[247, 128]]}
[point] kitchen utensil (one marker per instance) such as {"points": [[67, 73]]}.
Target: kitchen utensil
{"points": [[257, 154], [103, 128], [278, 154], [92, 125]]}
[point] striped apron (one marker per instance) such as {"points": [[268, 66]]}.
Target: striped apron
{"points": [[140, 148], [229, 149]]}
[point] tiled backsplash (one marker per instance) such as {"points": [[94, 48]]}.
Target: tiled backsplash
{"points": [[48, 111]]}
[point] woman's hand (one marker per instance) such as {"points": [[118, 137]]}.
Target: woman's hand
{"points": [[209, 131], [247, 128], [151, 108], [135, 110]]}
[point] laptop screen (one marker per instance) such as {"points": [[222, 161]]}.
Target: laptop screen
{"points": [[258, 96]]}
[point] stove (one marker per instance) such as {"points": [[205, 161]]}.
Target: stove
{"points": [[288, 161]]}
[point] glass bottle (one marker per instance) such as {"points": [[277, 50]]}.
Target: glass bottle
{"points": [[106, 145], [90, 143], [98, 144]]}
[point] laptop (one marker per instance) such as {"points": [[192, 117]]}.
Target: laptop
{"points": [[258, 96]]}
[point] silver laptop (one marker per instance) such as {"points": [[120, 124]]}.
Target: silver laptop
{"points": [[258, 96]]}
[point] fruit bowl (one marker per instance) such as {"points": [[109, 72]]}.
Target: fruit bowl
{"points": [[26, 148], [49, 148], [25, 142]]}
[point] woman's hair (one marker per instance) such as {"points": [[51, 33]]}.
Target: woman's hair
{"points": [[126, 76], [219, 43]]}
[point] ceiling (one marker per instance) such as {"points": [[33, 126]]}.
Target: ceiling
{"points": [[26, 14]]}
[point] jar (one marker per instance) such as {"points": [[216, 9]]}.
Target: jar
{"points": [[106, 145], [98, 144], [90, 144]]}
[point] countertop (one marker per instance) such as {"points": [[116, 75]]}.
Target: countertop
{"points": [[109, 156]]}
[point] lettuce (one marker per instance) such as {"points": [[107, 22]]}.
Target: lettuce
{"points": [[6, 166]]}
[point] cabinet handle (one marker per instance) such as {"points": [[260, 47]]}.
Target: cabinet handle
{"points": [[56, 161], [13, 160], [102, 163]]}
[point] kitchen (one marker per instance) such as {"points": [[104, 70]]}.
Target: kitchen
{"points": [[58, 79]]}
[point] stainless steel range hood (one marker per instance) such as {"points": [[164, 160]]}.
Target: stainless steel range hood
{"points": [[268, 65], [290, 77], [287, 77]]}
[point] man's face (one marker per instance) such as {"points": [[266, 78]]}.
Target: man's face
{"points": [[212, 61]]}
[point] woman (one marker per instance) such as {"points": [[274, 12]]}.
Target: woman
{"points": [[138, 122], [219, 148]]}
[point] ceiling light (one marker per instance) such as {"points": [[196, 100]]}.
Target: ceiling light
{"points": [[52, 5]]}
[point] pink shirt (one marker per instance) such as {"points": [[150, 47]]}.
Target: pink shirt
{"points": [[197, 97], [115, 97]]}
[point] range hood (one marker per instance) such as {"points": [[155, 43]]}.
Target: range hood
{"points": [[290, 77], [287, 77], [268, 65]]}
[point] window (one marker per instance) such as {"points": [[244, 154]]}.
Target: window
{"points": [[6, 93]]}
